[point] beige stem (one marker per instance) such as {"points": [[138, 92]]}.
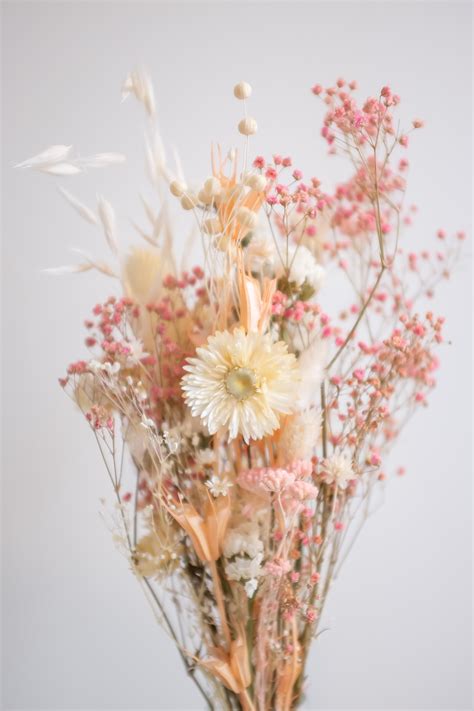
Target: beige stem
{"points": [[220, 601]]}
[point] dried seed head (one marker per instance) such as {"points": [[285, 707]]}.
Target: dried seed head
{"points": [[189, 201], [242, 90], [177, 188], [248, 126]]}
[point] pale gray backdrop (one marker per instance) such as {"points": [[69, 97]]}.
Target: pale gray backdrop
{"points": [[76, 632]]}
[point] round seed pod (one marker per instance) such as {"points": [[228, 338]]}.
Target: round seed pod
{"points": [[177, 188], [247, 126], [189, 201], [246, 218], [212, 226], [256, 182], [242, 90]]}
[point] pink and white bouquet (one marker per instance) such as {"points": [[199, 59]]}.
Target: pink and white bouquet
{"points": [[242, 419]]}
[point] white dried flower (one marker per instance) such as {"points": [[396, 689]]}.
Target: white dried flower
{"points": [[250, 587], [95, 366], [243, 540], [244, 568], [172, 441], [241, 382], [136, 352], [338, 470], [304, 268], [111, 368], [260, 255], [218, 486]]}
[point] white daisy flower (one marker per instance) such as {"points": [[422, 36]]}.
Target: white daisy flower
{"points": [[338, 470], [242, 382]]}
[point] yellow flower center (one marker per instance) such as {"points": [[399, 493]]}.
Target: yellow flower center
{"points": [[241, 383]]}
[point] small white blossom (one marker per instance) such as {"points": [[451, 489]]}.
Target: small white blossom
{"points": [[243, 540], [250, 587], [304, 268], [206, 457], [338, 469], [246, 568], [172, 441], [148, 423], [111, 368], [218, 487], [136, 352]]}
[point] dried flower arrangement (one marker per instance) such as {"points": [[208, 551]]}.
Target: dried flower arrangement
{"points": [[242, 427]]}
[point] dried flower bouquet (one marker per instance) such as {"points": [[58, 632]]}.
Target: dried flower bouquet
{"points": [[242, 426]]}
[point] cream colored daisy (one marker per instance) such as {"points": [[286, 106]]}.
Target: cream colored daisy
{"points": [[242, 382]]}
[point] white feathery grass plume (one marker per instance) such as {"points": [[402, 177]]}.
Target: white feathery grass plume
{"points": [[60, 169], [138, 82], [87, 265], [68, 269], [149, 212], [156, 158], [47, 158], [160, 224], [85, 212], [189, 242], [148, 238], [107, 217], [179, 166], [100, 266], [101, 160], [56, 160], [311, 362]]}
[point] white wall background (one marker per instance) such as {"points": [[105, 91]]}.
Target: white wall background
{"points": [[76, 632]]}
